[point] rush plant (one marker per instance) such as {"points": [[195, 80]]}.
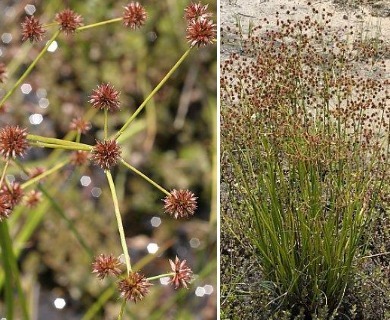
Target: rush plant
{"points": [[305, 145], [105, 152]]}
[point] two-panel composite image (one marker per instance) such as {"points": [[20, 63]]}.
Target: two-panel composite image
{"points": [[195, 160]]}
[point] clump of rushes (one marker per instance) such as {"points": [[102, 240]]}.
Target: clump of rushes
{"points": [[13, 142], [32, 29], [69, 20], [134, 15], [106, 153], [305, 138], [3, 72], [180, 203]]}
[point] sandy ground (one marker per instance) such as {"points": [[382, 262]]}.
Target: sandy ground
{"points": [[372, 19]]}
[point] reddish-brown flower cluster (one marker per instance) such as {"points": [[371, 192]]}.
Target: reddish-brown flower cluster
{"points": [[80, 125], [3, 72], [32, 198], [106, 153], [69, 20], [134, 287], [13, 191], [196, 11], [13, 142], [183, 273], [134, 15], [201, 30], [105, 96], [79, 157], [5, 207], [32, 29], [105, 265], [10, 196], [180, 203]]}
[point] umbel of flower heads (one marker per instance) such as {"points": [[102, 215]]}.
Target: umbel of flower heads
{"points": [[106, 153]]}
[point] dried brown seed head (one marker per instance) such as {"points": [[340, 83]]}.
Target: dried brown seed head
{"points": [[79, 157], [32, 198], [5, 207], [180, 203], [134, 15], [134, 287], [106, 153], [69, 20], [14, 192], [196, 11], [105, 265], [201, 32], [105, 96], [13, 142], [183, 273], [80, 125], [32, 29]]}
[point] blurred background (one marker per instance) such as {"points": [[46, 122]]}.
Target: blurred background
{"points": [[173, 141]]}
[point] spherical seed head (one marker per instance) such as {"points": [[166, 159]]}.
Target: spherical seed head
{"points": [[196, 11], [79, 157], [13, 142], [134, 287], [105, 265], [183, 273], [106, 153], [14, 192], [32, 29], [69, 20], [180, 203], [201, 32], [80, 125], [3, 73], [105, 97], [32, 198], [134, 15], [5, 207]]}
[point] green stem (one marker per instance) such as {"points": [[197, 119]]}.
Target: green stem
{"points": [[56, 146], [105, 124], [119, 220], [129, 166], [89, 26], [161, 276], [150, 96], [44, 174], [11, 264], [4, 171], [29, 69], [122, 310], [57, 143]]}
